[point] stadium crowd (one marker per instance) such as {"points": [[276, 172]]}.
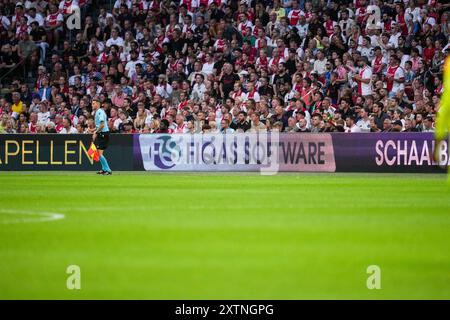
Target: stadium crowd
{"points": [[191, 66]]}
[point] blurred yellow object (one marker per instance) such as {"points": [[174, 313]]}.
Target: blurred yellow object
{"points": [[443, 116]]}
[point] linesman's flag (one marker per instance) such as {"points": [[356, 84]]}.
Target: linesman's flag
{"points": [[93, 153]]}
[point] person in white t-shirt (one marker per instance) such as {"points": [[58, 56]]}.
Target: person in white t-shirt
{"points": [[199, 88], [118, 3], [208, 66], [67, 127], [163, 88], [366, 48], [424, 18], [33, 16], [396, 33], [320, 63], [130, 67], [412, 12], [4, 22], [364, 77], [115, 39], [364, 120], [351, 126], [43, 114]]}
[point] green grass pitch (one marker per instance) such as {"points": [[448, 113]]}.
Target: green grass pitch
{"points": [[224, 236]]}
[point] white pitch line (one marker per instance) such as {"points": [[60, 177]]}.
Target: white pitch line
{"points": [[41, 216]]}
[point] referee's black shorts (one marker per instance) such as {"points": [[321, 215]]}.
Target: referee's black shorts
{"points": [[102, 140]]}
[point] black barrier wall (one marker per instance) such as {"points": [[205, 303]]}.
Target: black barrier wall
{"points": [[335, 152], [61, 152]]}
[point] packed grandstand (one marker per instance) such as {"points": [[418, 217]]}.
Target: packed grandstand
{"points": [[194, 66]]}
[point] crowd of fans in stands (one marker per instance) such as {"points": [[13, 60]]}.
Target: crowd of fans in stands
{"points": [[194, 66]]}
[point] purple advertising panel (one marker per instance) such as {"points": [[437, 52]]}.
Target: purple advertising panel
{"points": [[306, 152], [267, 153], [388, 152]]}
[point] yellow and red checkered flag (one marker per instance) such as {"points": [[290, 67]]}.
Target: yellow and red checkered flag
{"points": [[93, 152]]}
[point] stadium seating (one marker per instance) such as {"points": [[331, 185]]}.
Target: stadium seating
{"points": [[194, 66]]}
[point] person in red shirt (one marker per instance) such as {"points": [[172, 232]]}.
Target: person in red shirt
{"points": [[250, 51], [361, 13], [358, 3], [400, 18], [429, 50], [164, 127], [307, 92], [63, 87]]}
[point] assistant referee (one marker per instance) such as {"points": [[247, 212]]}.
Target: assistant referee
{"points": [[101, 135]]}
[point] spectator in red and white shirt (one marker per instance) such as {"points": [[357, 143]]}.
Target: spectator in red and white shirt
{"points": [[244, 23], [395, 76], [252, 93], [67, 7], [190, 4], [18, 14], [364, 77], [379, 62], [295, 13], [53, 24], [33, 124], [329, 24]]}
